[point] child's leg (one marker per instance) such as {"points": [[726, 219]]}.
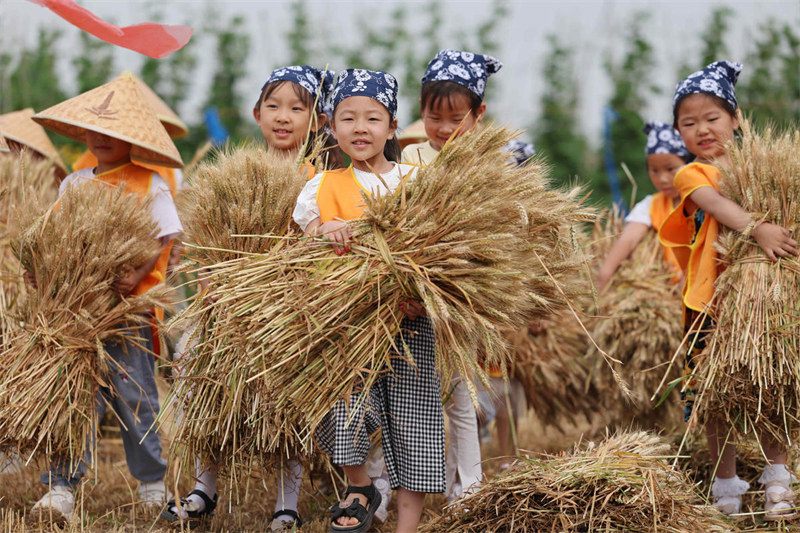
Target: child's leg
{"points": [[290, 479], [132, 375], [464, 453], [777, 481], [409, 510], [357, 476], [723, 453], [504, 418]]}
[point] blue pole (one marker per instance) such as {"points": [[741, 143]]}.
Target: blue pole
{"points": [[609, 116], [216, 130]]}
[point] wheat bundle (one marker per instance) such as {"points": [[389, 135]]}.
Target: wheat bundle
{"points": [[551, 366], [54, 363], [469, 236], [622, 484], [643, 326], [239, 204], [750, 372], [23, 178]]}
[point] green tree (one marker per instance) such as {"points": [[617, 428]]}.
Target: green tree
{"points": [[94, 63], [299, 35], [770, 86], [233, 47], [557, 131], [713, 39], [630, 78], [32, 81]]}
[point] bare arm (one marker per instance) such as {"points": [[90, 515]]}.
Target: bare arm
{"points": [[630, 237], [774, 240], [124, 286], [336, 231]]}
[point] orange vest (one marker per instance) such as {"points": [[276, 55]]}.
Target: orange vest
{"points": [[339, 195], [88, 160], [138, 180], [660, 208], [694, 247]]}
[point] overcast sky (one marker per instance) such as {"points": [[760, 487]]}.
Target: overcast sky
{"points": [[594, 28]]}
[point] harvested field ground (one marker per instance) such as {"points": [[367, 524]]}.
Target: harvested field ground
{"points": [[108, 498]]}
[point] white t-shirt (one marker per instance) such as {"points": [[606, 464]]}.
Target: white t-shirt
{"points": [[641, 212], [419, 154], [162, 208], [307, 209]]}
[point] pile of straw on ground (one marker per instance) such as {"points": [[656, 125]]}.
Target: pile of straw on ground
{"points": [[23, 178], [469, 236], [551, 365], [623, 484], [641, 326], [750, 375], [54, 362], [240, 203]]}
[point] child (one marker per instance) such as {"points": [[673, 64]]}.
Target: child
{"points": [[119, 127], [666, 153], [452, 104], [704, 110], [286, 108], [407, 402], [22, 133]]}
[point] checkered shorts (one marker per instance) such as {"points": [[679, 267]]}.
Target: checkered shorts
{"points": [[407, 405]]}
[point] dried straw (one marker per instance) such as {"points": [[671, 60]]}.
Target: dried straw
{"points": [[54, 363], [643, 329], [622, 484], [750, 372], [469, 237], [240, 203]]}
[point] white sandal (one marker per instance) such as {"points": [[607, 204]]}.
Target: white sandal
{"points": [[728, 494], [779, 501]]}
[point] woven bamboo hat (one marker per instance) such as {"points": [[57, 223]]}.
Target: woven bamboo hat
{"points": [[117, 109], [19, 127], [174, 125], [3, 145]]}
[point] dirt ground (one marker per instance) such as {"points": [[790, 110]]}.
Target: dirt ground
{"points": [[107, 500]]}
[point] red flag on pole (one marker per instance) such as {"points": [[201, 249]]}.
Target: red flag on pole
{"points": [[149, 38]]}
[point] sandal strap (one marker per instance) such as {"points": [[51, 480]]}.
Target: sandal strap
{"points": [[288, 512], [369, 491], [354, 510], [211, 504]]}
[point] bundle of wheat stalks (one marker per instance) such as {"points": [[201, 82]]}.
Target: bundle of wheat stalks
{"points": [[750, 372], [469, 237], [22, 178], [623, 484], [54, 362], [551, 365], [642, 330], [239, 204]]}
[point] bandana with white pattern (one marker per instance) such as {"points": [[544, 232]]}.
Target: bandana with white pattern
{"points": [[378, 85], [311, 79], [465, 68], [719, 79], [663, 139]]}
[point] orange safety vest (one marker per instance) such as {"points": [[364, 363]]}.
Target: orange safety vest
{"points": [[88, 160], [694, 247], [660, 208], [339, 195]]}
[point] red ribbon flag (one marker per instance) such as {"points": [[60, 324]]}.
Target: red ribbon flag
{"points": [[149, 38]]}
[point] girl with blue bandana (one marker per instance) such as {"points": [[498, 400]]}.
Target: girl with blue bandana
{"points": [[666, 153], [406, 403], [290, 107], [704, 110]]}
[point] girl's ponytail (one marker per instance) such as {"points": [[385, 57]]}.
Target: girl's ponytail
{"points": [[392, 150]]}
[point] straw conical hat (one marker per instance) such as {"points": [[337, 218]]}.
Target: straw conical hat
{"points": [[174, 125], [3, 145], [20, 128], [413, 133], [117, 109]]}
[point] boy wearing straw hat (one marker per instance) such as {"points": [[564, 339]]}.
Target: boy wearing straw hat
{"points": [[121, 130], [20, 132]]}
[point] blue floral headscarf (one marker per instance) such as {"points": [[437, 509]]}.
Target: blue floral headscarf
{"points": [[309, 78], [465, 68], [520, 152], [718, 79], [663, 139], [378, 85]]}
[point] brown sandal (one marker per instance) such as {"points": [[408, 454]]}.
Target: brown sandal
{"points": [[775, 498]]}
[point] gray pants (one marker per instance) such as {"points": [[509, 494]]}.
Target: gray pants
{"points": [[135, 402]]}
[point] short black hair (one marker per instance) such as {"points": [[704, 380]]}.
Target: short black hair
{"points": [[724, 104], [434, 92]]}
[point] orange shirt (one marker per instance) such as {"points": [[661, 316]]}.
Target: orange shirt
{"points": [[88, 160], [660, 208], [339, 196], [694, 246]]}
